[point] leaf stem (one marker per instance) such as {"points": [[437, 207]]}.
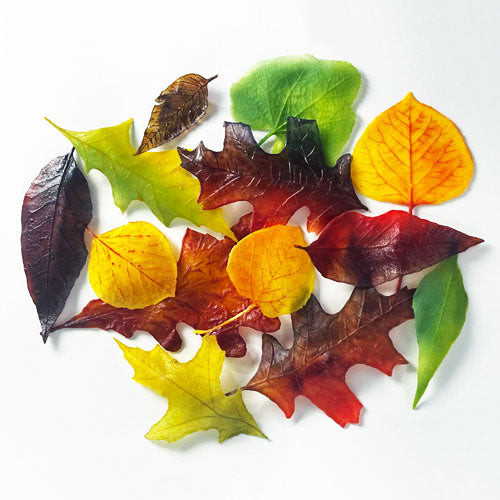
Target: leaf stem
{"points": [[266, 137], [400, 280], [91, 232], [230, 320]]}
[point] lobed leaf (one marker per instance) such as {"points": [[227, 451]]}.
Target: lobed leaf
{"points": [[325, 346], [154, 178], [276, 185], [195, 399]]}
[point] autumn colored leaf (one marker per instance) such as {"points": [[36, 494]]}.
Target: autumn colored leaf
{"points": [[440, 304], [301, 86], [276, 185], [195, 399], [132, 266], [267, 268], [412, 155], [205, 297], [56, 210], [366, 251], [154, 178], [178, 108], [326, 346]]}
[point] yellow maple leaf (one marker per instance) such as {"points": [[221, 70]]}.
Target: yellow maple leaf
{"points": [[266, 267], [132, 266], [411, 155], [196, 401]]}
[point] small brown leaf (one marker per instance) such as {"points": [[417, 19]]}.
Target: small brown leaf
{"points": [[179, 107]]}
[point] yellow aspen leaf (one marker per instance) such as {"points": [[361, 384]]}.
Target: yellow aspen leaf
{"points": [[412, 155], [267, 268], [132, 266]]}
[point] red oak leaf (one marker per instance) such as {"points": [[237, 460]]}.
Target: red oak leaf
{"points": [[366, 251], [205, 297], [326, 346], [277, 185]]}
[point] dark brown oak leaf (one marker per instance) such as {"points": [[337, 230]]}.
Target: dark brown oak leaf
{"points": [[326, 346], [276, 185], [56, 210], [367, 251], [178, 108], [205, 297]]}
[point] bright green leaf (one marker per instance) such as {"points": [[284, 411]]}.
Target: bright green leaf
{"points": [[157, 179], [440, 306], [300, 86], [195, 398]]}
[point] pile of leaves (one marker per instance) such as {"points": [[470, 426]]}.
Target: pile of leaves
{"points": [[261, 268]]}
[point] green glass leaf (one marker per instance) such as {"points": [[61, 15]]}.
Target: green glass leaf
{"points": [[196, 401], [440, 306], [157, 179], [300, 86]]}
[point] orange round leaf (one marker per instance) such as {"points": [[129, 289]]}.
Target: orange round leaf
{"points": [[132, 266], [412, 155], [267, 268]]}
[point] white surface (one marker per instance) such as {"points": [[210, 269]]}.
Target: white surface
{"points": [[72, 420]]}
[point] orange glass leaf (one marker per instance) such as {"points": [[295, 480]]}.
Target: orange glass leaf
{"points": [[412, 155], [132, 266], [267, 267]]}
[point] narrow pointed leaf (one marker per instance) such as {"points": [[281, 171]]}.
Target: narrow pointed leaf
{"points": [[366, 251], [157, 179], [301, 86], [56, 209], [276, 185], [205, 298], [440, 304], [178, 108], [326, 346], [195, 399]]}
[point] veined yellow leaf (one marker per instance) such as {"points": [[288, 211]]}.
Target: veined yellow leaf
{"points": [[132, 266]]}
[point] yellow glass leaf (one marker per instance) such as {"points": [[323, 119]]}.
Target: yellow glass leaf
{"points": [[412, 155], [266, 267], [132, 266]]}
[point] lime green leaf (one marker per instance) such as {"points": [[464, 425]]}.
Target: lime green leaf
{"points": [[195, 399], [157, 179], [300, 86], [440, 306]]}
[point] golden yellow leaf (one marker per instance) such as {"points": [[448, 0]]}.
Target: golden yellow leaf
{"points": [[412, 155], [132, 266], [267, 268]]}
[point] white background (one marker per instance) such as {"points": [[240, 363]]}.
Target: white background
{"points": [[72, 421]]}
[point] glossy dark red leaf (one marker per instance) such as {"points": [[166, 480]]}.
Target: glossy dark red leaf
{"points": [[326, 346], [205, 297], [366, 251], [56, 210], [276, 185]]}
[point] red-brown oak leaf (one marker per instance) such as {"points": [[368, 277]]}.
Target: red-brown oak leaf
{"points": [[276, 185], [367, 251], [205, 297], [326, 346]]}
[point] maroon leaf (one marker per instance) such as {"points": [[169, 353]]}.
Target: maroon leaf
{"points": [[56, 211], [205, 297], [276, 185], [366, 251], [326, 346]]}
